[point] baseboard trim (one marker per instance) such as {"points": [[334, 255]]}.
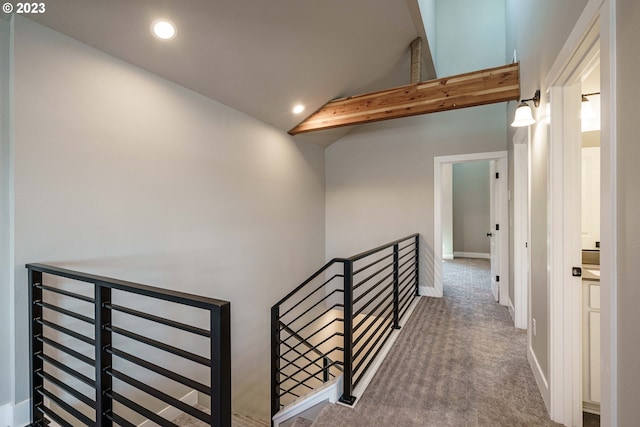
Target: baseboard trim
{"points": [[331, 392], [512, 310], [16, 415], [542, 382], [428, 291], [472, 255]]}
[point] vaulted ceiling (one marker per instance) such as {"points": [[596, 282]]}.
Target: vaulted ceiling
{"points": [[257, 56]]}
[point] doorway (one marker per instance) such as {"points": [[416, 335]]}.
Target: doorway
{"points": [[588, 45], [498, 225]]}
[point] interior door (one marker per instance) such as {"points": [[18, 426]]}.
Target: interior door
{"points": [[494, 246]]}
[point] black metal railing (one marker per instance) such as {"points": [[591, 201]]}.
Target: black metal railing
{"points": [[101, 354], [338, 320]]}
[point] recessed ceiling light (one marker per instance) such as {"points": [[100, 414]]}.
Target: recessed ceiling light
{"points": [[163, 29], [298, 109]]}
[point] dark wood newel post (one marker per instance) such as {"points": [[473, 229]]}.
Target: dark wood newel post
{"points": [[347, 385]]}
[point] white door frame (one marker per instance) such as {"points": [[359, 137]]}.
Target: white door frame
{"points": [[592, 39], [503, 165], [521, 261]]}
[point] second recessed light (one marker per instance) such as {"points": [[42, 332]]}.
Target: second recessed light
{"points": [[298, 109]]}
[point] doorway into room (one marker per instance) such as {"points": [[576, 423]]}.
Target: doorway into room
{"points": [[480, 235]]}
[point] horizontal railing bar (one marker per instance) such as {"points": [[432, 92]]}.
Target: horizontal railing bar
{"points": [[372, 347], [363, 334], [411, 245], [370, 338], [375, 310], [406, 279], [55, 417], [316, 375], [384, 290], [326, 297], [313, 276], [66, 407], [405, 303], [297, 371], [372, 288], [158, 319], [160, 370], [314, 319], [307, 358], [66, 331], [119, 420], [303, 342], [67, 350], [330, 337], [289, 392], [64, 368], [373, 358], [313, 292], [379, 260], [379, 248], [311, 361], [374, 274], [66, 293], [302, 381], [65, 312], [362, 322], [176, 403], [336, 319], [411, 254], [137, 288], [72, 391], [160, 345], [141, 410], [305, 353], [406, 262]]}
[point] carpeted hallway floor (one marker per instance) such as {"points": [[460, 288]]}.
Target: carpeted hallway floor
{"points": [[458, 362]]}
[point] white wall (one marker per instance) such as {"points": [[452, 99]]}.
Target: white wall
{"points": [[537, 30], [428, 12], [121, 173], [379, 178], [471, 205], [628, 205], [447, 210], [470, 35], [5, 278]]}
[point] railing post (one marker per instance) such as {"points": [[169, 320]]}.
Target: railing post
{"points": [[275, 360], [104, 404], [220, 340], [325, 369], [347, 377], [417, 265], [35, 329], [396, 290]]}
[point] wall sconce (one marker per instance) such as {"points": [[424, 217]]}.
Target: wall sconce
{"points": [[523, 116], [586, 111]]}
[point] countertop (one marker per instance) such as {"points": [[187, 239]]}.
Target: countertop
{"points": [[591, 272]]}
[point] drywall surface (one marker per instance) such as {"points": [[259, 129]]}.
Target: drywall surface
{"points": [[428, 12], [379, 178], [121, 173], [470, 35], [5, 197], [628, 206], [536, 51], [471, 204]]}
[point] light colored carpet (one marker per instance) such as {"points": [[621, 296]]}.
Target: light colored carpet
{"points": [[459, 361]]}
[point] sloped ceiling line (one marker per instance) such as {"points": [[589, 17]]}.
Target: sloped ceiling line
{"points": [[481, 87]]}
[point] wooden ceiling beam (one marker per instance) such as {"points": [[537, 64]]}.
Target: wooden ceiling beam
{"points": [[482, 87]]}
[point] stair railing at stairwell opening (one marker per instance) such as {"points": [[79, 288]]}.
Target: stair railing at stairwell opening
{"points": [[105, 351], [338, 320]]}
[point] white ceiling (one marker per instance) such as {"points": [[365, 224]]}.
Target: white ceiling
{"points": [[257, 56]]}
